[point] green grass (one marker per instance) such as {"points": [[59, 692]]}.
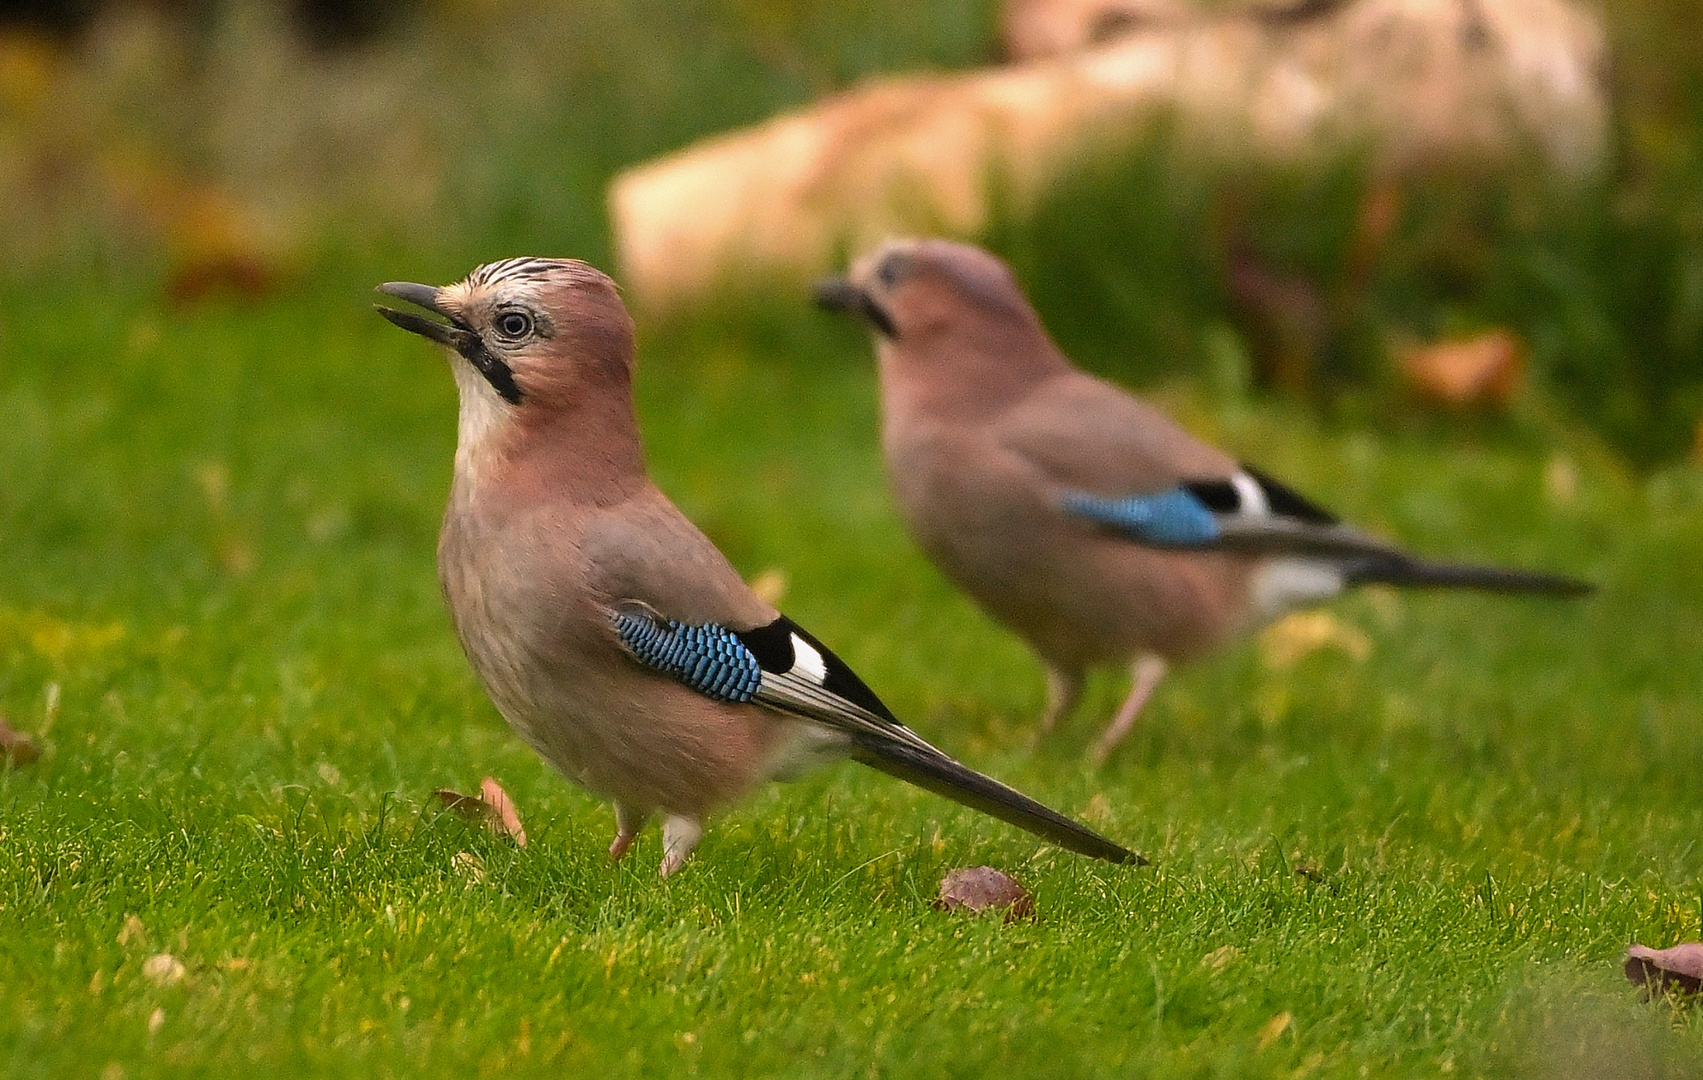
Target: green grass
{"points": [[219, 529]]}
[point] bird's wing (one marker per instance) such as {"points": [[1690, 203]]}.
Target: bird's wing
{"points": [[1083, 432], [1245, 512], [780, 666], [1115, 460]]}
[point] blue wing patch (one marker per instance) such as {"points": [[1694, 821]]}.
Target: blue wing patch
{"points": [[1173, 518], [708, 658]]}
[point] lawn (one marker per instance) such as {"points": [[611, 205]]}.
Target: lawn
{"points": [[220, 617]]}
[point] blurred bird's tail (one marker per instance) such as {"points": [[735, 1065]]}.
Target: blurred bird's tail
{"points": [[1397, 569], [940, 774]]}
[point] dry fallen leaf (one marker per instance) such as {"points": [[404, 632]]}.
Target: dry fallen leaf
{"points": [[1219, 957], [977, 889], [1678, 968], [770, 585], [1287, 642], [132, 930], [1485, 370], [469, 865], [1273, 1028], [17, 748], [492, 806], [1561, 480]]}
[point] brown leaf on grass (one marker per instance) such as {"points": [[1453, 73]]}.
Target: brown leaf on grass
{"points": [[492, 806], [16, 748], [980, 888], [1485, 370], [1679, 968]]}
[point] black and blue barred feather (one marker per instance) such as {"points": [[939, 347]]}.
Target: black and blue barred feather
{"points": [[708, 658], [763, 666], [1172, 518]]}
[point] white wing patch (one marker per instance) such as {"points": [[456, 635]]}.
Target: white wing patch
{"points": [[1251, 500], [808, 662]]}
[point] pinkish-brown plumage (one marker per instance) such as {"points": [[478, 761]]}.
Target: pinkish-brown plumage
{"points": [[553, 527], [989, 433]]}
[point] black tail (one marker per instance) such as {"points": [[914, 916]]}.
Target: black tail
{"points": [[1395, 569], [940, 774]]}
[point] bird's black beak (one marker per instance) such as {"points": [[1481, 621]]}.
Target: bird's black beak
{"points": [[840, 294], [453, 334], [427, 297]]}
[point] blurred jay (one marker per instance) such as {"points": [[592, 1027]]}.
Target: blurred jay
{"points": [[1074, 513]]}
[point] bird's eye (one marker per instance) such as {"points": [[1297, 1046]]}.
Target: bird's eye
{"points": [[892, 269], [514, 324]]}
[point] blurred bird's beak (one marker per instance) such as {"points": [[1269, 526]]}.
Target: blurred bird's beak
{"points": [[840, 294], [427, 297]]}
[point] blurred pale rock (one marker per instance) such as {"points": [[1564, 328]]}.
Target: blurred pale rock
{"points": [[1033, 29], [1417, 81], [1485, 371]]}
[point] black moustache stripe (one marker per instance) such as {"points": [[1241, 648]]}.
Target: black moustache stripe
{"points": [[877, 315], [497, 373]]}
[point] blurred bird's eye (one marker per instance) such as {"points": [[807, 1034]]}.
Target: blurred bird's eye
{"points": [[514, 324], [892, 269]]}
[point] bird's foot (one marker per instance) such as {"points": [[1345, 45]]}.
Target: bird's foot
{"points": [[627, 825], [1145, 676], [1064, 690], [679, 836]]}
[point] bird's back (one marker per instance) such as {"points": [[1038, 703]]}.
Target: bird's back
{"points": [[982, 500]]}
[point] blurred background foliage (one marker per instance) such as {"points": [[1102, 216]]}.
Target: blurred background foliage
{"points": [[200, 149]]}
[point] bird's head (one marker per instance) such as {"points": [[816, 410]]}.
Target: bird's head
{"points": [[945, 312], [912, 288], [537, 333]]}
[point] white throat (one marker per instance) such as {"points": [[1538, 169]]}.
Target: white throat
{"points": [[483, 413]]}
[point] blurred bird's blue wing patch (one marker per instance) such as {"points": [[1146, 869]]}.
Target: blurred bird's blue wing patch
{"points": [[1247, 512], [1174, 518]]}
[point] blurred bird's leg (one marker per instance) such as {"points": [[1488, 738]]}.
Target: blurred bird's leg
{"points": [[1144, 676], [679, 836], [1064, 690], [628, 822]]}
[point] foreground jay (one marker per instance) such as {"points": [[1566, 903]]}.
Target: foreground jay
{"points": [[1079, 516], [610, 633]]}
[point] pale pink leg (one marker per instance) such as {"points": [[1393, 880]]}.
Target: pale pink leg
{"points": [[679, 836], [1064, 690], [628, 822], [1145, 675]]}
